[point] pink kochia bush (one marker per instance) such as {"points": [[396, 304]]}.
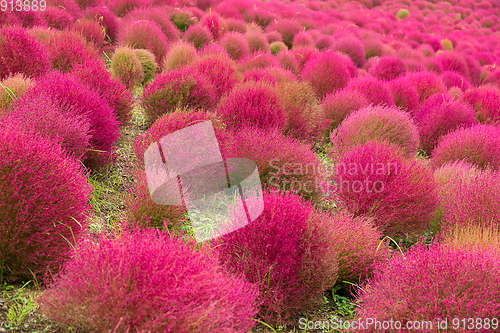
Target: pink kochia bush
{"points": [[353, 47], [486, 103], [252, 104], [378, 181], [431, 285], [21, 53], [287, 252], [148, 281], [478, 145], [426, 84], [70, 92], [182, 87], [146, 35], [375, 91], [404, 94], [339, 105], [380, 123], [326, 73], [388, 67], [43, 203]]}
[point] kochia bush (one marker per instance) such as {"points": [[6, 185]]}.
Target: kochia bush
{"points": [[126, 66], [339, 105], [118, 284], [388, 68], [179, 55], [375, 91], [11, 88], [147, 35], [486, 103], [43, 203]]}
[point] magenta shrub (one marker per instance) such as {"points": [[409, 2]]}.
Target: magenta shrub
{"points": [[377, 181], [478, 145], [57, 18], [118, 283], [90, 3], [454, 62], [257, 60], [43, 203], [106, 19], [453, 79], [11, 88], [122, 7], [146, 35], [215, 24], [198, 35], [431, 284], [381, 123], [326, 73], [486, 103], [95, 75], [323, 42], [61, 123], [68, 91], [493, 78], [426, 84], [440, 115], [160, 16], [388, 68], [303, 39], [182, 87], [304, 54], [235, 44], [339, 105], [404, 94], [252, 105], [91, 30], [287, 252], [375, 91], [288, 61], [353, 47], [21, 53], [257, 42], [287, 28]]}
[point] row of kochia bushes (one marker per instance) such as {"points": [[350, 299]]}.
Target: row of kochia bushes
{"points": [[271, 97]]}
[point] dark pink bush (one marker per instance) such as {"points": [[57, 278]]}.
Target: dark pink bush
{"points": [[91, 30], [323, 42], [380, 123], [288, 252], [353, 47], [377, 181], [257, 60], [57, 18], [270, 75], [21, 53], [493, 78], [71, 6], [198, 35], [288, 61], [287, 28], [438, 116], [235, 44], [122, 7], [461, 284], [160, 16], [388, 68], [405, 95], [486, 103], [43, 203], [453, 79], [426, 84], [257, 42], [375, 91], [90, 3], [182, 87], [148, 281], [252, 105], [215, 24], [326, 73], [304, 54], [106, 19], [95, 75], [455, 62], [339, 105], [29, 18], [68, 91], [144, 34], [478, 145], [303, 39]]}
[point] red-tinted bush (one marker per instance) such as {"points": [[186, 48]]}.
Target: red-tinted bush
{"points": [[198, 35], [43, 203], [288, 61], [287, 252], [303, 39], [426, 84], [215, 24], [326, 73], [118, 284], [57, 18], [453, 79], [455, 62], [182, 87], [91, 30], [106, 19], [257, 60], [388, 68], [11, 88], [287, 28], [381, 123], [376, 180], [235, 44], [353, 47], [257, 42], [180, 54], [305, 54], [146, 35], [122, 7], [430, 284], [486, 103], [375, 91], [252, 105], [160, 16], [339, 105], [493, 78], [404, 94], [21, 53], [478, 145]]}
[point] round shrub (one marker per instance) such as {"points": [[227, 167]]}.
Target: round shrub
{"points": [[63, 125], [179, 55], [91, 30], [453, 79], [257, 42], [493, 78], [106, 19], [353, 47], [43, 203], [198, 35], [21, 53], [303, 39], [95, 75], [221, 71], [252, 105], [126, 66], [381, 123], [57, 18], [124, 276], [436, 119], [148, 64], [478, 145], [287, 28], [373, 48], [447, 44], [11, 88], [287, 61], [273, 76], [68, 91], [235, 44], [339, 105], [324, 42], [287, 252], [426, 84], [182, 19], [486, 103], [377, 181], [90, 3], [304, 54], [326, 73], [454, 62], [236, 25], [276, 47], [375, 91], [160, 16], [146, 35], [462, 281], [122, 7], [402, 13], [404, 94], [29, 18], [388, 68], [215, 24], [257, 60], [176, 88]]}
